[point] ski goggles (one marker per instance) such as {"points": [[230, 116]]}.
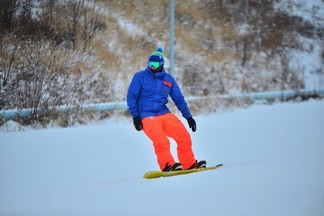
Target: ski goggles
{"points": [[154, 64]]}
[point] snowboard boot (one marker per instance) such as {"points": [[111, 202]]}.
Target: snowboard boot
{"points": [[198, 165], [172, 167]]}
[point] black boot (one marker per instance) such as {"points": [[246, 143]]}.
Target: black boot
{"points": [[198, 165], [172, 167]]}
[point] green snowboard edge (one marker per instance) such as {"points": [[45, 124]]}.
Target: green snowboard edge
{"points": [[158, 174]]}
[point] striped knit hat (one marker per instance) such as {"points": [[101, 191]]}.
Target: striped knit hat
{"points": [[157, 55]]}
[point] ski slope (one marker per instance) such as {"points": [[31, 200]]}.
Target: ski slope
{"points": [[273, 158]]}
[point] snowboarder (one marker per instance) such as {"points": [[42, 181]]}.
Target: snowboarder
{"points": [[146, 100]]}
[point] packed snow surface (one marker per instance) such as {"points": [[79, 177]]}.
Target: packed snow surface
{"points": [[273, 158]]}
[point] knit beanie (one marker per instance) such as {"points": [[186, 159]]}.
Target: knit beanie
{"points": [[157, 55]]}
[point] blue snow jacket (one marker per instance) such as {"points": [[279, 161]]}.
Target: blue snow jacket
{"points": [[148, 94]]}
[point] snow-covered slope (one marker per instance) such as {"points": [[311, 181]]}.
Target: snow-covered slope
{"points": [[272, 155]]}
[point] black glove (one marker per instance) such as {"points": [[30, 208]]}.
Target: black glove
{"points": [[138, 123], [192, 124]]}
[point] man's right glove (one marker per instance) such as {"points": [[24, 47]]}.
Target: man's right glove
{"points": [[138, 123]]}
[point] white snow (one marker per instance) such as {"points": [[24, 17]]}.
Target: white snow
{"points": [[310, 60], [11, 125], [310, 10], [272, 155]]}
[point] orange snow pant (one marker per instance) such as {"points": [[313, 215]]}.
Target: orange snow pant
{"points": [[158, 129]]}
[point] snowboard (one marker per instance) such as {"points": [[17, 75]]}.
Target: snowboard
{"points": [[158, 174]]}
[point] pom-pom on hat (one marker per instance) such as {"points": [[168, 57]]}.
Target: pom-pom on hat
{"points": [[157, 56]]}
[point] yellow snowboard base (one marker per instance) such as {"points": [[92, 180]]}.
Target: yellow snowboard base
{"points": [[158, 174]]}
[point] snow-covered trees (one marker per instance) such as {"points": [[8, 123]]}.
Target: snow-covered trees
{"points": [[39, 40]]}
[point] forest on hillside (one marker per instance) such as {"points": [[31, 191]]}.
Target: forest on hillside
{"points": [[74, 52]]}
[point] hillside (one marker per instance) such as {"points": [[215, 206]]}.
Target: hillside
{"points": [[220, 47], [86, 51]]}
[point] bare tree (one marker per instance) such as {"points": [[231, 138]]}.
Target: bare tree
{"points": [[7, 62], [49, 6], [77, 7], [7, 14], [39, 81], [91, 24]]}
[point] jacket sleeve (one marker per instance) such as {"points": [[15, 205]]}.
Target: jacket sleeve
{"points": [[179, 100], [132, 95]]}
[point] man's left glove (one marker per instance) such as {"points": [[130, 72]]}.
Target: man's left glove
{"points": [[138, 123], [192, 124]]}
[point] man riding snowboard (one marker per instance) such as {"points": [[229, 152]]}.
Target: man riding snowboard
{"points": [[146, 100]]}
